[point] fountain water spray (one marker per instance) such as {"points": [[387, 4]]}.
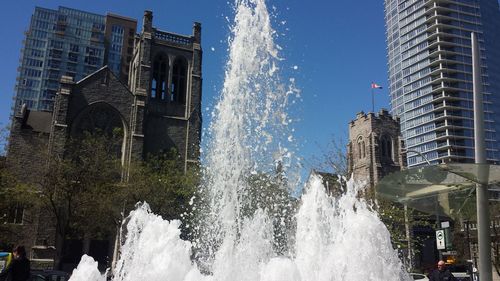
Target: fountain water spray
{"points": [[249, 133], [245, 229]]}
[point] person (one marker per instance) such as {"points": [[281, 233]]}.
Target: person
{"points": [[19, 269], [441, 273]]}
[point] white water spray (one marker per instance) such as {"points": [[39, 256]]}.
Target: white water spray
{"points": [[249, 155]]}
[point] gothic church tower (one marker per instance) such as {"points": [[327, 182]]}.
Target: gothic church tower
{"points": [[165, 78], [374, 148]]}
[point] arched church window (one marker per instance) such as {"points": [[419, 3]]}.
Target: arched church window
{"points": [[386, 147], [383, 147], [179, 81], [389, 148], [361, 148], [364, 148], [101, 121], [159, 89]]}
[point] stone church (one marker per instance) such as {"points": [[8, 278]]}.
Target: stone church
{"points": [[159, 109], [374, 148]]}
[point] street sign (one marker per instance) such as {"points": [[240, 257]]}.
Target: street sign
{"points": [[440, 240]]}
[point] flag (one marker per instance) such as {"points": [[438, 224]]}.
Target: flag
{"points": [[376, 86]]}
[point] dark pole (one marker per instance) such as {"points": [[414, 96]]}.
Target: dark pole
{"points": [[438, 225], [468, 239]]}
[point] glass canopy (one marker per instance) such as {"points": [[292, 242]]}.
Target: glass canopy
{"points": [[447, 189]]}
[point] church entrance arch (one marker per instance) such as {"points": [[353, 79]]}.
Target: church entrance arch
{"points": [[103, 121]]}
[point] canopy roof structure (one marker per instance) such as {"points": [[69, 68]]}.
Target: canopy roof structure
{"points": [[441, 189]]}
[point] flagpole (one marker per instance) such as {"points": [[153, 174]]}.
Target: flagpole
{"points": [[373, 101]]}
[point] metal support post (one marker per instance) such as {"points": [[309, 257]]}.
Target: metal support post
{"points": [[483, 212]]}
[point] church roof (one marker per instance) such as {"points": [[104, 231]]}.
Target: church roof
{"points": [[98, 72]]}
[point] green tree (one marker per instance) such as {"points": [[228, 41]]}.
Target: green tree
{"points": [[79, 189], [4, 137], [87, 191], [162, 183], [465, 230], [88, 196]]}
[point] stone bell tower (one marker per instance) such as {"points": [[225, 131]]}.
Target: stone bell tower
{"points": [[374, 148], [166, 80]]}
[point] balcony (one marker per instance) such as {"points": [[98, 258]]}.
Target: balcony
{"points": [[434, 59], [438, 105], [443, 154], [442, 144], [435, 87], [439, 115], [441, 134]]}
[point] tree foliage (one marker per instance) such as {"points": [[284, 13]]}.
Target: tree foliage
{"points": [[79, 188], [4, 135], [162, 183], [85, 190], [465, 231]]}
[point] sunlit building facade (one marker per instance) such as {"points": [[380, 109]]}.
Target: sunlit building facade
{"points": [[430, 76]]}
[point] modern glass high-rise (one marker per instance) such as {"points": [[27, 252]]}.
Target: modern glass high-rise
{"points": [[72, 43], [430, 75]]}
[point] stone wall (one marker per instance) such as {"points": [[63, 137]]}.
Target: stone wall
{"points": [[27, 153]]}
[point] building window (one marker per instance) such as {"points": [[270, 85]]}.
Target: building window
{"points": [[92, 61], [101, 119], [74, 48], [389, 148], [117, 29], [386, 147], [383, 147], [72, 57], [361, 148], [159, 89], [56, 44], [179, 81]]}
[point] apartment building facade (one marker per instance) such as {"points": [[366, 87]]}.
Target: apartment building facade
{"points": [[72, 43], [430, 76]]}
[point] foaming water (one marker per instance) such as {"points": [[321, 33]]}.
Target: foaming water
{"points": [[246, 228], [337, 239], [343, 239]]}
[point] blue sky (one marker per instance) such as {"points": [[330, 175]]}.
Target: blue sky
{"points": [[338, 46]]}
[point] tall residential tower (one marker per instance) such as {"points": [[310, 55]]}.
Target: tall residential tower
{"points": [[430, 75], [72, 43]]}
